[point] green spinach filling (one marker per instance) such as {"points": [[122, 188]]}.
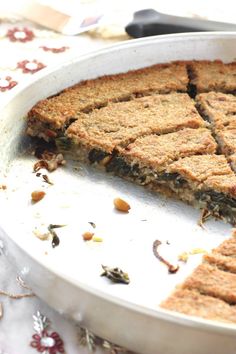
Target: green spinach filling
{"points": [[219, 204], [177, 180], [96, 155], [120, 167]]}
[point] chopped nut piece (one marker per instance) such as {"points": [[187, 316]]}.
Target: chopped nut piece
{"points": [[97, 239], [42, 236], [36, 196], [49, 161], [197, 251], [87, 236], [183, 257], [121, 205]]}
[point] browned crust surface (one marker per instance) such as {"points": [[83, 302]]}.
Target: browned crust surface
{"points": [[191, 302], [227, 248], [120, 123], [219, 108], [159, 151], [209, 280], [206, 172], [213, 76], [161, 78], [222, 262]]}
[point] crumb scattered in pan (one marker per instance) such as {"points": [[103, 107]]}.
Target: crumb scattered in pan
{"points": [[87, 236], [47, 180], [121, 205], [3, 187], [115, 274], [183, 257], [197, 251], [92, 224], [171, 268], [38, 174], [42, 236], [49, 161], [36, 196], [97, 239]]}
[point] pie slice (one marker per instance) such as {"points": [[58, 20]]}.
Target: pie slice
{"points": [[50, 117], [212, 76], [220, 110], [193, 303]]}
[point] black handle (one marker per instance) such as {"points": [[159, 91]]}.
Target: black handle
{"points": [[150, 22]]}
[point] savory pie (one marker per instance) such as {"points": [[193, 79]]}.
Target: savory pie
{"points": [[169, 127]]}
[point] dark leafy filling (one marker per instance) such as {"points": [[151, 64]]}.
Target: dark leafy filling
{"points": [[63, 143], [119, 166], [219, 204], [96, 155], [178, 180]]}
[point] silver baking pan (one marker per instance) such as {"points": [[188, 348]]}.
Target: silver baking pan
{"points": [[68, 277]]}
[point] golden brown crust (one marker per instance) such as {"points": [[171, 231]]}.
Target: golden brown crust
{"points": [[219, 108], [227, 248], [200, 168], [222, 183], [222, 262], [191, 302], [209, 280], [120, 123], [90, 94], [213, 76], [158, 152]]}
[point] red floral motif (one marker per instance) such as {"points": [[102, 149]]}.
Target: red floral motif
{"points": [[20, 34], [54, 50], [48, 343], [31, 67], [7, 83]]}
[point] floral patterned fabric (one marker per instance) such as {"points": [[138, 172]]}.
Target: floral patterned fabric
{"points": [[25, 50]]}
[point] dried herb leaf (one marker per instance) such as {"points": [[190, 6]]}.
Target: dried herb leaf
{"points": [[55, 238], [46, 179], [92, 224], [115, 274]]}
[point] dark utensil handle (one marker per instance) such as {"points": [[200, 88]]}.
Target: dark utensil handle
{"points": [[150, 22]]}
